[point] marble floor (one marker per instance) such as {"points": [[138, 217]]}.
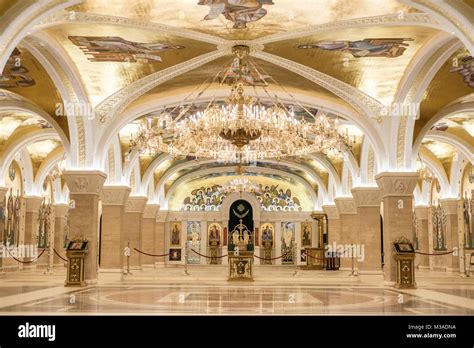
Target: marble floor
{"points": [[275, 291]]}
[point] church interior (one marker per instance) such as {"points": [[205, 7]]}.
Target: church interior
{"points": [[237, 157]]}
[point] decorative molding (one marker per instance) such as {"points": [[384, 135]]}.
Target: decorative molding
{"points": [[397, 184], [422, 212], [331, 211], [450, 205], [345, 205], [84, 182], [60, 210], [151, 211], [33, 203], [367, 196], [136, 204], [115, 195]]}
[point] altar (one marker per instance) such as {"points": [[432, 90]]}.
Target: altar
{"points": [[240, 267]]}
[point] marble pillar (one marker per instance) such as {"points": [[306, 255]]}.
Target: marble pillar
{"points": [[60, 211], [422, 215], [397, 197], [113, 200], [3, 192], [334, 224], [33, 204], [367, 201], [349, 229], [159, 239], [147, 243], [84, 190], [132, 226], [450, 207]]}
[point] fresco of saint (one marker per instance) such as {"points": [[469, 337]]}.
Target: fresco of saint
{"points": [[240, 12], [15, 75], [384, 47], [117, 49]]}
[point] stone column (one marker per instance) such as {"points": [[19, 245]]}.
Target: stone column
{"points": [[60, 211], [33, 204], [349, 229], [132, 226], [3, 192], [84, 189], [367, 201], [334, 224], [159, 239], [450, 207], [422, 214], [113, 200], [148, 235], [397, 197]]}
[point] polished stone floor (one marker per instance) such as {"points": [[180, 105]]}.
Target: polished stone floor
{"points": [[275, 291]]}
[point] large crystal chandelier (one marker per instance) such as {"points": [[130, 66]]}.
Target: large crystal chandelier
{"points": [[244, 128], [240, 184]]}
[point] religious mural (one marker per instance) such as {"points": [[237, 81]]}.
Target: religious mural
{"points": [[11, 218], [466, 70], [271, 198], [240, 12], [117, 49], [468, 216], [306, 231], [204, 199], [267, 233], [288, 242], [214, 234], [382, 47], [44, 225], [175, 233], [193, 241], [15, 74], [439, 220]]}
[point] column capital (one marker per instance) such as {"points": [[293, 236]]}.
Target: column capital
{"points": [[421, 212], [151, 211], [345, 205], [60, 210], [397, 183], [331, 211], [33, 203], [367, 196], [84, 182], [115, 195], [450, 205], [136, 204]]}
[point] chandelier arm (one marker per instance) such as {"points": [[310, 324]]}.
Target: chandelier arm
{"points": [[285, 91]]}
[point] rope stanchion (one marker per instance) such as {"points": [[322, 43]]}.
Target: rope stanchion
{"points": [[31, 261], [209, 257], [153, 255], [57, 254], [433, 254]]}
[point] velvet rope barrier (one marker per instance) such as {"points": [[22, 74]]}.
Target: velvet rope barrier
{"points": [[154, 255], [209, 257], [57, 254], [31, 261], [314, 257], [429, 254], [272, 258]]}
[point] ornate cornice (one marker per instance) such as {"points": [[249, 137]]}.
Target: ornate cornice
{"points": [[84, 182], [367, 196], [397, 184], [331, 211], [33, 203], [135, 204], [450, 205], [345, 205], [151, 211], [115, 195]]}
